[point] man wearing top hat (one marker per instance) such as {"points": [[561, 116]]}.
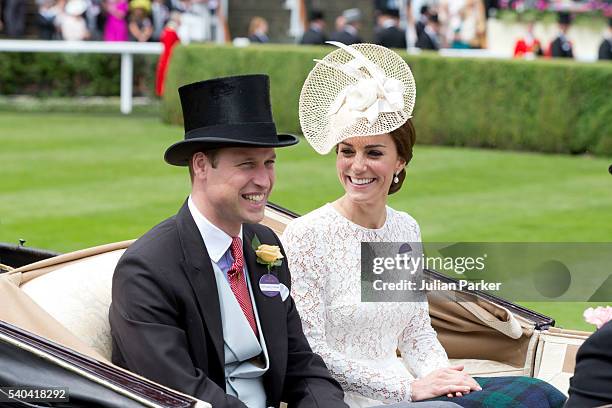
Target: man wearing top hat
{"points": [[315, 35], [429, 38], [349, 33], [193, 307], [605, 48], [561, 47], [388, 34]]}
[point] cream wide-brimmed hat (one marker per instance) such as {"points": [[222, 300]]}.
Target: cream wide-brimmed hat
{"points": [[357, 90]]}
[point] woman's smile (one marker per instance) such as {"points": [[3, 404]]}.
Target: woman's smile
{"points": [[361, 182]]}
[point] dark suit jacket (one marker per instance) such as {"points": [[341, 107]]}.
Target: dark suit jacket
{"points": [[561, 49], [166, 322], [345, 37], [313, 37], [391, 37], [426, 43], [419, 28], [591, 385], [605, 50]]}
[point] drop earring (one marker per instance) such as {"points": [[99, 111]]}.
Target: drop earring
{"points": [[396, 179]]}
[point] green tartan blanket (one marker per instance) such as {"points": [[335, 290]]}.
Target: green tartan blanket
{"points": [[510, 392]]}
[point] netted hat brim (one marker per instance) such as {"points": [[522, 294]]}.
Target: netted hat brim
{"points": [[323, 85]]}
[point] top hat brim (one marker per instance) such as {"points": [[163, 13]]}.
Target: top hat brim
{"points": [[179, 154]]}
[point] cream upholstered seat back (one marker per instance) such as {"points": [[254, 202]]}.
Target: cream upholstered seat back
{"points": [[78, 295], [75, 289]]}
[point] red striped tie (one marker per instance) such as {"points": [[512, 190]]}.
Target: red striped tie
{"points": [[238, 284]]}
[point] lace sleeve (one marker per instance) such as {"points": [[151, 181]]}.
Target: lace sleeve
{"points": [[418, 343], [308, 290]]}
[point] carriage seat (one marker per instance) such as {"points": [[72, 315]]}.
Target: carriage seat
{"points": [[77, 294]]}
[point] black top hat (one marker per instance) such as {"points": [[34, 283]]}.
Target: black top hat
{"points": [[390, 12], [316, 15], [565, 17], [226, 112]]}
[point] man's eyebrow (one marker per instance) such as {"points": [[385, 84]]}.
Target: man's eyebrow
{"points": [[248, 157]]}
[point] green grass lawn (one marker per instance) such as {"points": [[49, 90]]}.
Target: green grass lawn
{"points": [[70, 181]]}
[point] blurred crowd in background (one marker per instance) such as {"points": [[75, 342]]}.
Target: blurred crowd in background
{"points": [[459, 24], [531, 47], [424, 24], [441, 24], [110, 20]]}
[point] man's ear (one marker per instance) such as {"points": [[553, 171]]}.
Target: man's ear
{"points": [[199, 165]]}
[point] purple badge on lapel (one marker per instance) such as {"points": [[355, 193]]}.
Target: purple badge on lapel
{"points": [[405, 248], [269, 285]]}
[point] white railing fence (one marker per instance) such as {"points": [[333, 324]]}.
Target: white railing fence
{"points": [[125, 49]]}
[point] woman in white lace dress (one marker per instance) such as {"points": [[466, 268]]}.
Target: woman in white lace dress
{"points": [[364, 90], [358, 341]]}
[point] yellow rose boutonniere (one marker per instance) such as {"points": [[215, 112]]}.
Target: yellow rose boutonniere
{"points": [[269, 255]]}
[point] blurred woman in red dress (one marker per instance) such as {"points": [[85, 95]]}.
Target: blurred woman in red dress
{"points": [[169, 38], [528, 47]]}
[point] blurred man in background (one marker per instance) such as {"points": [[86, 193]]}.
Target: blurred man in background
{"points": [[45, 19], [315, 35], [160, 14], [388, 34], [349, 34], [13, 16], [422, 21], [561, 47], [430, 39], [605, 49]]}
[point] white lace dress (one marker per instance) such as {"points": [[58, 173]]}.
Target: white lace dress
{"points": [[358, 341]]}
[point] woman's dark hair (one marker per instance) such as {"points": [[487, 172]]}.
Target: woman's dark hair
{"points": [[404, 138]]}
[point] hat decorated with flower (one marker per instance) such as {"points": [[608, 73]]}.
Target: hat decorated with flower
{"points": [[357, 90]]}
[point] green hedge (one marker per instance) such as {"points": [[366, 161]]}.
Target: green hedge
{"points": [[548, 106], [51, 74]]}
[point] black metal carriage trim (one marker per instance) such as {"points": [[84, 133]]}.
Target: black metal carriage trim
{"points": [[16, 255], [144, 389], [283, 210]]}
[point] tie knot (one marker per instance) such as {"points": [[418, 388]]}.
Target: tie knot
{"points": [[236, 251]]}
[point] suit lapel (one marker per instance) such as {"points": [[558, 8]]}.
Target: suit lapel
{"points": [[199, 271], [271, 310]]}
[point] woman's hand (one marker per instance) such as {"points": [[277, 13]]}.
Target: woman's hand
{"points": [[452, 381]]}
